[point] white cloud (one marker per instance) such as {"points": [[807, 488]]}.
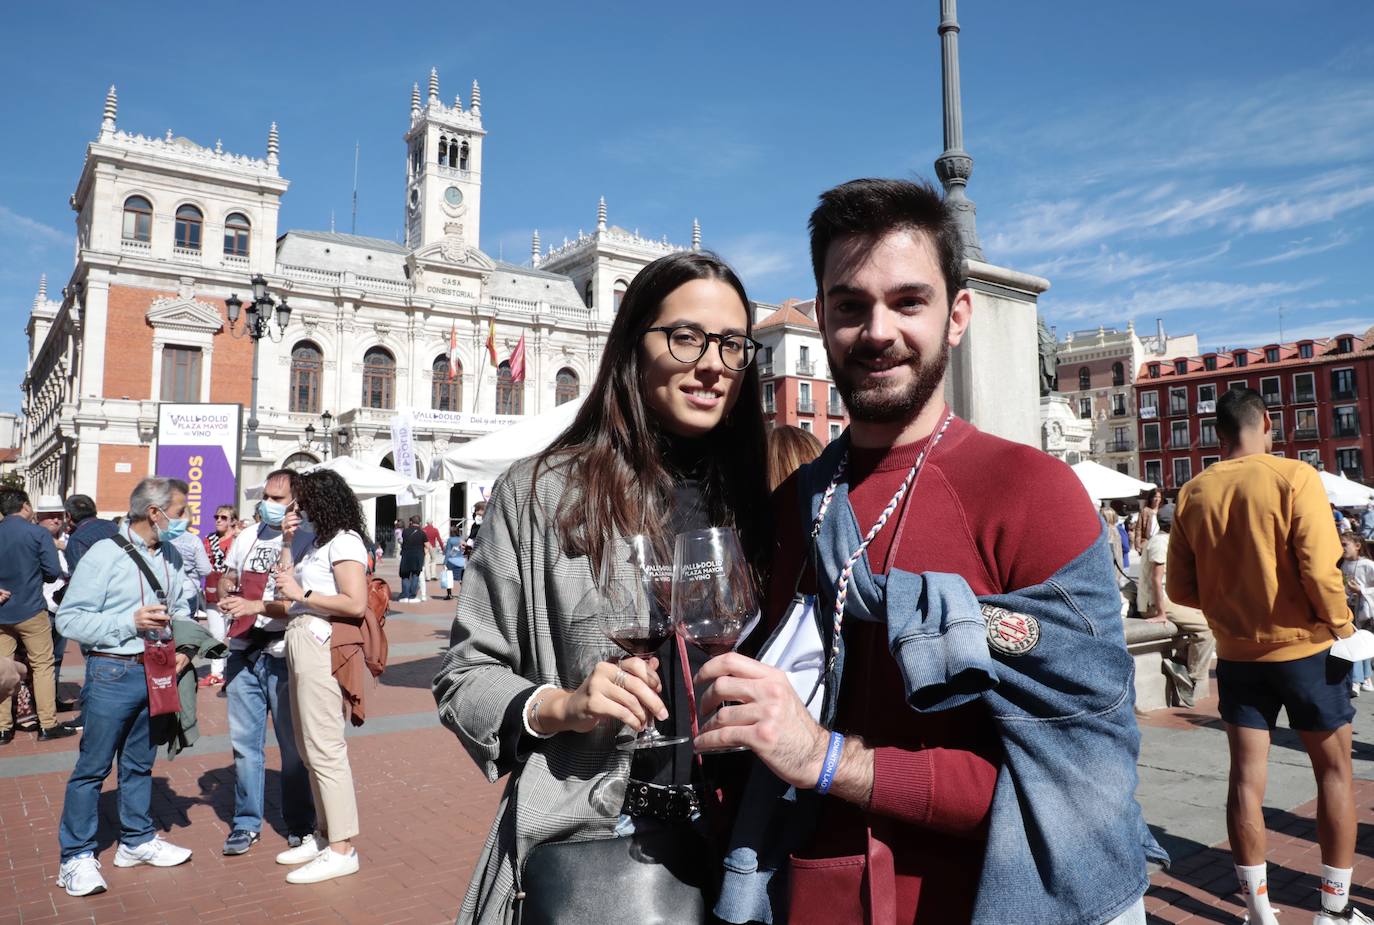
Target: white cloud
{"points": [[1296, 213], [1271, 334], [755, 256], [1304, 248], [1202, 296], [1107, 266], [12, 224]]}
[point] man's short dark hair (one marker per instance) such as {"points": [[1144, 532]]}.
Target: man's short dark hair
{"points": [[871, 208], [1238, 410], [12, 500], [291, 476], [79, 508]]}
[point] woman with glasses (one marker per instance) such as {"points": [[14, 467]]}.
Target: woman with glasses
{"points": [[669, 439], [216, 548]]}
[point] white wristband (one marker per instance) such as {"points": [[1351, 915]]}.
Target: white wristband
{"points": [[525, 711]]}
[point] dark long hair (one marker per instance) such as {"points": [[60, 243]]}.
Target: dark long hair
{"points": [[617, 480], [326, 499]]}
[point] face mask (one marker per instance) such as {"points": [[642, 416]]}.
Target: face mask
{"points": [[272, 512], [174, 529]]}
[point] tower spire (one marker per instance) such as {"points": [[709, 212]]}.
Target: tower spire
{"points": [[434, 85], [273, 146], [535, 249], [107, 125], [458, 102], [476, 104], [415, 99], [42, 290], [696, 235], [955, 165], [601, 214]]}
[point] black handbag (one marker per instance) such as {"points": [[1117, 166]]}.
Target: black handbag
{"points": [[660, 877]]}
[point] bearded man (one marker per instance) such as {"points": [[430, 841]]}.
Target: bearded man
{"points": [[943, 709]]}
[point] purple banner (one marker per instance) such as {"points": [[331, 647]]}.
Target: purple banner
{"points": [[199, 444]]}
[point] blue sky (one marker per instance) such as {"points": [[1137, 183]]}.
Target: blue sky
{"points": [[1209, 163]]}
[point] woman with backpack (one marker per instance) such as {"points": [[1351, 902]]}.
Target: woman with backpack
{"points": [[670, 439], [328, 590]]}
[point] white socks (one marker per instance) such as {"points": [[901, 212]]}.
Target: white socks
{"points": [[1254, 887], [1335, 888]]}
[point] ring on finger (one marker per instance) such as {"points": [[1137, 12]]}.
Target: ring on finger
{"points": [[619, 680]]}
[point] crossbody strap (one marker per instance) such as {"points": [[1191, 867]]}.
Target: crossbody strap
{"points": [[128, 547]]}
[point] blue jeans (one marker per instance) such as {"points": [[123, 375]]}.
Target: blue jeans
{"points": [[410, 587], [1360, 671], [254, 688], [115, 698]]}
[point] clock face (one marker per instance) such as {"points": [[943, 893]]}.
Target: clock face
{"points": [[453, 196]]}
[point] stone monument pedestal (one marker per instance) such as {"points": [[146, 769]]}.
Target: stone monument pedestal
{"points": [[994, 380]]}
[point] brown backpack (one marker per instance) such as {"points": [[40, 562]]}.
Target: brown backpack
{"points": [[374, 626]]}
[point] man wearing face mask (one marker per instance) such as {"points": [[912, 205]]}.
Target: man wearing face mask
{"points": [[108, 607], [256, 674]]}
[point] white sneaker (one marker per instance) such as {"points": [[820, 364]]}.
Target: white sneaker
{"points": [[310, 846], [1350, 916], [1367, 684], [80, 876], [1354, 690], [327, 865], [156, 852]]}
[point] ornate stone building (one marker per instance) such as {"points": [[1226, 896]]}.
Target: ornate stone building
{"points": [[167, 229]]}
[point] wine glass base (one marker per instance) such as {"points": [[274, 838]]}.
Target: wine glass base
{"points": [[634, 743], [722, 751]]}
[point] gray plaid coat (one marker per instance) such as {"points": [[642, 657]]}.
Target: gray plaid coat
{"points": [[518, 625]]}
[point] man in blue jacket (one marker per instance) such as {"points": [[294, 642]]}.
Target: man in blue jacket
{"points": [[28, 558], [108, 608]]}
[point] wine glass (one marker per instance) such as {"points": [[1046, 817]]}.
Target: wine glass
{"points": [[713, 591], [634, 615]]}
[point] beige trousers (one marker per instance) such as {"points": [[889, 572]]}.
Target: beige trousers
{"points": [[1191, 620], [317, 711], [36, 634]]}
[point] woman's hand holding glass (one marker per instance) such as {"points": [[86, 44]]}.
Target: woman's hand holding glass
{"points": [[625, 692]]}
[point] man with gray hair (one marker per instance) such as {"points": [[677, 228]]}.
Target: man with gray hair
{"points": [[110, 608]]}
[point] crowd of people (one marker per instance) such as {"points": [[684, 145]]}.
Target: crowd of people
{"points": [[932, 722]]}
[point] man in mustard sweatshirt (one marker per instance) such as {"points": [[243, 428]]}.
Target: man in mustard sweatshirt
{"points": [[1253, 546]]}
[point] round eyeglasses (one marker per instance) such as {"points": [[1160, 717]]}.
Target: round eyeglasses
{"points": [[687, 343]]}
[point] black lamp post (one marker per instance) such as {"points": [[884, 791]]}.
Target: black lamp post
{"points": [[257, 323], [326, 443]]}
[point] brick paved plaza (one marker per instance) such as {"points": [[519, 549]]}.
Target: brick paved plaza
{"points": [[425, 811]]}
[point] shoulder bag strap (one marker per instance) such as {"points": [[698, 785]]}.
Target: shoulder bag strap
{"points": [[128, 547]]}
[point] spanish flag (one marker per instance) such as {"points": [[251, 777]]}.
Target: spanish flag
{"points": [[491, 341]]}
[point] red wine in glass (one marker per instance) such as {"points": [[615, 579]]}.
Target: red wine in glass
{"points": [[639, 641]]}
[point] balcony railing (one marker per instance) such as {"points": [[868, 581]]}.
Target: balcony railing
{"points": [[1305, 433], [1207, 407], [1278, 435], [806, 406], [1150, 446], [765, 370], [1208, 441], [1346, 431], [1272, 399], [1177, 410], [1343, 394], [1304, 398], [805, 367], [835, 409], [1118, 412], [1120, 446], [769, 407]]}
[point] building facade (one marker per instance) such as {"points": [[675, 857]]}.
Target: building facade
{"points": [[1318, 391], [1096, 372], [168, 229], [794, 373]]}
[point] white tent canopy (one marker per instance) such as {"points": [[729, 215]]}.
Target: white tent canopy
{"points": [[1343, 492], [485, 458], [1103, 483], [366, 480]]}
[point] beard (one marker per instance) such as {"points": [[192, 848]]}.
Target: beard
{"points": [[881, 401]]}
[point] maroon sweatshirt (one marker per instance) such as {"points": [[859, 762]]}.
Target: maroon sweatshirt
{"points": [[1001, 515]]}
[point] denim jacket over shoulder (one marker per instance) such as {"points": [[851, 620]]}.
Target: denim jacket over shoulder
{"points": [[1067, 842]]}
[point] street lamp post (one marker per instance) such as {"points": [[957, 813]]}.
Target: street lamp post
{"points": [[326, 446], [257, 323]]}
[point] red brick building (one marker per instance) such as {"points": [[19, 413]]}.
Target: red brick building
{"points": [[797, 388], [1320, 394]]}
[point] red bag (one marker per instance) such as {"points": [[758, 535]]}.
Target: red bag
{"points": [[374, 626], [252, 587], [160, 670], [857, 889]]}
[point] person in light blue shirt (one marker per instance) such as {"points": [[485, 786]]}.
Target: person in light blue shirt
{"points": [[109, 605]]}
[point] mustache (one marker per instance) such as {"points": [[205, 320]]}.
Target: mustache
{"points": [[889, 355]]}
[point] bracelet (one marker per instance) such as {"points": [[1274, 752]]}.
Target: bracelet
{"points": [[531, 708], [831, 763]]}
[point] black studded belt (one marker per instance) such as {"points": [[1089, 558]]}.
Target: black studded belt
{"points": [[670, 803]]}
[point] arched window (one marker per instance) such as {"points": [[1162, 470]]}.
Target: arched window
{"points": [[299, 462], [510, 396], [188, 225], [379, 379], [619, 293], [306, 363], [446, 394], [1084, 381], [443, 150], [138, 219], [1118, 374], [587, 293], [565, 386], [236, 230], [463, 156]]}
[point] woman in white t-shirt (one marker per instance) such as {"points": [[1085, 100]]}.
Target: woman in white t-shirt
{"points": [[329, 582]]}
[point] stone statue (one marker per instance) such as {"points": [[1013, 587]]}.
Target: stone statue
{"points": [[1049, 359]]}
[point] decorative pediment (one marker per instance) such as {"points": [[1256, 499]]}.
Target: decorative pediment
{"points": [[184, 314]]}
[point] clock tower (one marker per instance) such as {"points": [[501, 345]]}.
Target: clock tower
{"points": [[443, 205]]}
